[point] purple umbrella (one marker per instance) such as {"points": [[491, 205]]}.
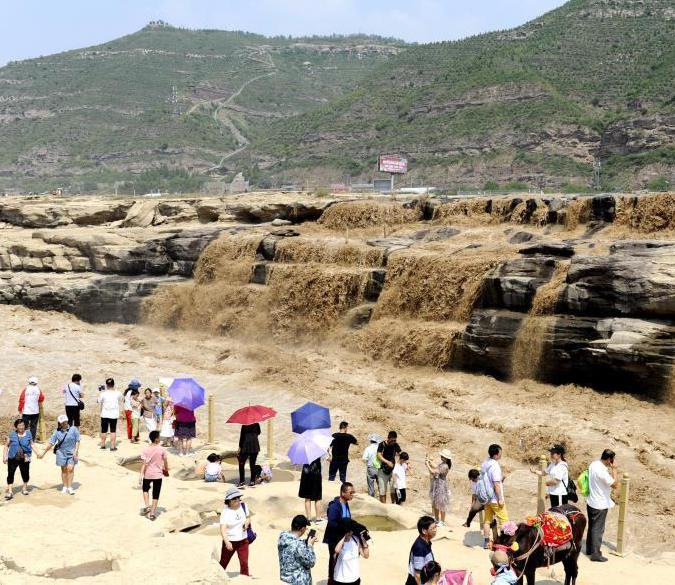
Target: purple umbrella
{"points": [[187, 393], [309, 446]]}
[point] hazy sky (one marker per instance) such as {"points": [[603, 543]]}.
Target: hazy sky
{"points": [[30, 28]]}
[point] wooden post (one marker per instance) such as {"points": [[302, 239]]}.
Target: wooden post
{"points": [[623, 509], [541, 486], [212, 419], [42, 432], [270, 440]]}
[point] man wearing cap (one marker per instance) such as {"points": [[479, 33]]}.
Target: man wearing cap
{"points": [[372, 462], [109, 399], [557, 476], [296, 555], [338, 452], [29, 405], [66, 444]]}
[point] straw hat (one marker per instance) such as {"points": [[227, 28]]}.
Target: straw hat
{"points": [[446, 454]]}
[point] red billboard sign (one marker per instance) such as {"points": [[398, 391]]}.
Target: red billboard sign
{"points": [[392, 163]]}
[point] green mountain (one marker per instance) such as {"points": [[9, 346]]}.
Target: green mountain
{"points": [[536, 104], [165, 97]]}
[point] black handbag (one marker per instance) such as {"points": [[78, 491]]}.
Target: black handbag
{"points": [[572, 495], [80, 404]]}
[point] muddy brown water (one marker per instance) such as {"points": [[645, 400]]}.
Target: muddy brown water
{"points": [[376, 523]]}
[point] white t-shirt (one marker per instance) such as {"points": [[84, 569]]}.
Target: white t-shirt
{"points": [[474, 487], [347, 569], [493, 473], [72, 393], [234, 521], [213, 468], [600, 481], [370, 454], [560, 472], [110, 403], [31, 398], [127, 400], [399, 473]]}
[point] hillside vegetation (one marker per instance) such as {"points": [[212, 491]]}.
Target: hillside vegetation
{"points": [[533, 106], [100, 113], [539, 103]]}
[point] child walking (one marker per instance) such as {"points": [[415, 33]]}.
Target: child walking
{"points": [[476, 506], [399, 478]]}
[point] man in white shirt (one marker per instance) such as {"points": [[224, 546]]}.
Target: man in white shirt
{"points": [[602, 477], [72, 394], [496, 507], [372, 463], [109, 399]]}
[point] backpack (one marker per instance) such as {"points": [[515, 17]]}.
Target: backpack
{"points": [[485, 491], [582, 480]]}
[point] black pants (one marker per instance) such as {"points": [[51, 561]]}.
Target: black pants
{"points": [[331, 563], [596, 529], [335, 466], [475, 508], [24, 468], [31, 422], [156, 487], [557, 500], [357, 582], [410, 580], [73, 414], [398, 496], [251, 457]]}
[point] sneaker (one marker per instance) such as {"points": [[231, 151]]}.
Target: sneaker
{"points": [[599, 559], [486, 543], [440, 523], [71, 491], [241, 484], [102, 447], [319, 520], [64, 490]]}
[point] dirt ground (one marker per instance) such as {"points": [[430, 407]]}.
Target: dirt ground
{"points": [[430, 409]]}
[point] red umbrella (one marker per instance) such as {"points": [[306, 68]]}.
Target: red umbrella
{"points": [[252, 414]]}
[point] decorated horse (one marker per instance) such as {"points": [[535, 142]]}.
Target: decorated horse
{"points": [[544, 540]]}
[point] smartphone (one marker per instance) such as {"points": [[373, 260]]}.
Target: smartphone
{"points": [[311, 534]]}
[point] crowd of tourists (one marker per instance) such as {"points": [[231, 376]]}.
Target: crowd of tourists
{"points": [[386, 470]]}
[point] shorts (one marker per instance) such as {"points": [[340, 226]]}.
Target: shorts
{"points": [[209, 478], [108, 423], [65, 460], [156, 487], [493, 511], [383, 480]]}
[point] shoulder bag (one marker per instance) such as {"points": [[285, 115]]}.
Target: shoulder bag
{"points": [[250, 534], [80, 404]]}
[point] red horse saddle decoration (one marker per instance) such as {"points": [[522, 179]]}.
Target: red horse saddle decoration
{"points": [[555, 528]]}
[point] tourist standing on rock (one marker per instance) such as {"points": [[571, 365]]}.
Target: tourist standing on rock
{"points": [[338, 509], [16, 454], [149, 403], [234, 523], [602, 477], [557, 476], [73, 398], [66, 444], [29, 406], [311, 489], [400, 479], [476, 506], [134, 384], [421, 553], [338, 453], [109, 399], [296, 554], [168, 419], [386, 454], [348, 552], [186, 428], [439, 493], [155, 467], [491, 474], [249, 447], [372, 463]]}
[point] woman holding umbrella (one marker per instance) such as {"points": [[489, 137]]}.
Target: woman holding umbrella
{"points": [[187, 395], [186, 428], [311, 489], [249, 447]]}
